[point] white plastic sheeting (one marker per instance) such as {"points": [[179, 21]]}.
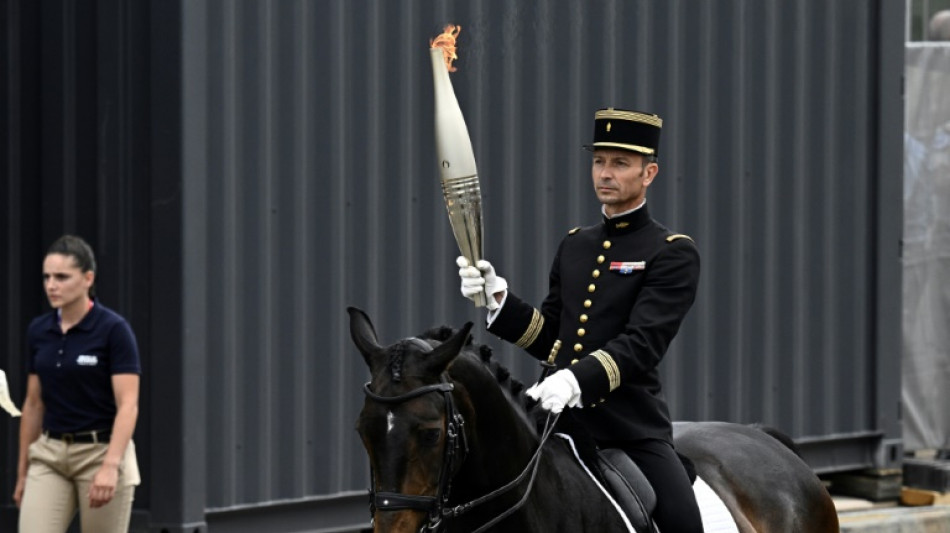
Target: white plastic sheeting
{"points": [[926, 254]]}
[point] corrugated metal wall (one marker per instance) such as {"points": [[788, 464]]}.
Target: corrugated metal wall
{"points": [[318, 189], [308, 182]]}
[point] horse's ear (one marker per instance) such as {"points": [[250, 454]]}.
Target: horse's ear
{"points": [[444, 353], [363, 334]]}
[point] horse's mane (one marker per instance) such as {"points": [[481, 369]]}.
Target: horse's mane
{"points": [[506, 381], [528, 408]]}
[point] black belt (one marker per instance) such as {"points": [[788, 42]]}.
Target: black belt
{"points": [[100, 436]]}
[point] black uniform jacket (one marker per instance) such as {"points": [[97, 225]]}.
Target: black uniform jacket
{"points": [[618, 293]]}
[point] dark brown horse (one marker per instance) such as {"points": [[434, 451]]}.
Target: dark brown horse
{"points": [[452, 447]]}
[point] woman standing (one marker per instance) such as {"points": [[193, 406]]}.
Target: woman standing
{"points": [[81, 405]]}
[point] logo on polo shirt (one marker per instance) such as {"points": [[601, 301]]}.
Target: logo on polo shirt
{"points": [[87, 360]]}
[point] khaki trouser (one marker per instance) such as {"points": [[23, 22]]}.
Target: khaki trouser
{"points": [[58, 481]]}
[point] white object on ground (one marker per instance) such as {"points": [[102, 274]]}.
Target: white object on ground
{"points": [[5, 400]]}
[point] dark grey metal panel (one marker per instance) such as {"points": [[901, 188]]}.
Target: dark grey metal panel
{"points": [[74, 125]]}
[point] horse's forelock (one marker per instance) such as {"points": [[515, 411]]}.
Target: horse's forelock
{"points": [[400, 352], [397, 356]]}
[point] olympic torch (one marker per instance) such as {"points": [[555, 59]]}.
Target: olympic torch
{"points": [[463, 198]]}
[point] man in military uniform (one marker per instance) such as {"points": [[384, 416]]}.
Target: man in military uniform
{"points": [[619, 291]]}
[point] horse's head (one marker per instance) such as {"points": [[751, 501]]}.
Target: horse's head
{"points": [[409, 425]]}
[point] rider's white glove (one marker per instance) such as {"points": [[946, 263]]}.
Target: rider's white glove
{"points": [[480, 280], [560, 389]]}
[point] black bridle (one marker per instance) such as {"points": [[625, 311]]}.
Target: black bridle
{"points": [[456, 447]]}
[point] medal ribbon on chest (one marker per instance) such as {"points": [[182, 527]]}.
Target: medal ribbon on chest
{"points": [[626, 267]]}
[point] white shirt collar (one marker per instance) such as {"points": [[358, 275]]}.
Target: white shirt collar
{"points": [[603, 210]]}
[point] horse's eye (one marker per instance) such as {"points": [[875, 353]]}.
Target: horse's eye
{"points": [[429, 437]]}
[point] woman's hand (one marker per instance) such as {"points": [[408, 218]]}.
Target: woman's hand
{"points": [[18, 491], [103, 485]]}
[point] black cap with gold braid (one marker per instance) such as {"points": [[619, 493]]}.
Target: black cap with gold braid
{"points": [[627, 130]]}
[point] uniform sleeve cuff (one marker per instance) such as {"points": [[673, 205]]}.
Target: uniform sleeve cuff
{"points": [[493, 314], [595, 380]]}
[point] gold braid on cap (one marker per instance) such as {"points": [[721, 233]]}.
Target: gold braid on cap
{"points": [[634, 116], [534, 328], [610, 366], [625, 146]]}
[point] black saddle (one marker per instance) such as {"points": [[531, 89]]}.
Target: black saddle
{"points": [[621, 477], [629, 487]]}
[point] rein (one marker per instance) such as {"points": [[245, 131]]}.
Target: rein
{"points": [[435, 505]]}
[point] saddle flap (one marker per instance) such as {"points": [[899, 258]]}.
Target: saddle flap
{"points": [[628, 486]]}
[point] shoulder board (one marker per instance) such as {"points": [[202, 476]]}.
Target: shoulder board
{"points": [[574, 230], [678, 236]]}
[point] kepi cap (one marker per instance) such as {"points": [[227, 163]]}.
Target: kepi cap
{"points": [[627, 130]]}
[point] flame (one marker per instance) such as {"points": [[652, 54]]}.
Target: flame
{"points": [[446, 41]]}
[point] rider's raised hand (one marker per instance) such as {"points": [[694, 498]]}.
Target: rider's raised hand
{"points": [[560, 389], [481, 279]]}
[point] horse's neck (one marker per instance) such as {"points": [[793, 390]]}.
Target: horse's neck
{"points": [[501, 440]]}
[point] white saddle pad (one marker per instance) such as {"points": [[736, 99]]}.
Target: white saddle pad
{"points": [[716, 517]]}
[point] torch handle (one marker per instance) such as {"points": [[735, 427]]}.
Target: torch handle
{"points": [[463, 202], [481, 299]]}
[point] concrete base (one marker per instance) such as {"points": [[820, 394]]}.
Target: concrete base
{"points": [[935, 519]]}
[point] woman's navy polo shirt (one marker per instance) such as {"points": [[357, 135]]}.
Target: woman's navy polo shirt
{"points": [[75, 368]]}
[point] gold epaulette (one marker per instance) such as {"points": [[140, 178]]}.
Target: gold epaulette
{"points": [[677, 236]]}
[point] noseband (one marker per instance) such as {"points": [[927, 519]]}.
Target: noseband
{"points": [[456, 448]]}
